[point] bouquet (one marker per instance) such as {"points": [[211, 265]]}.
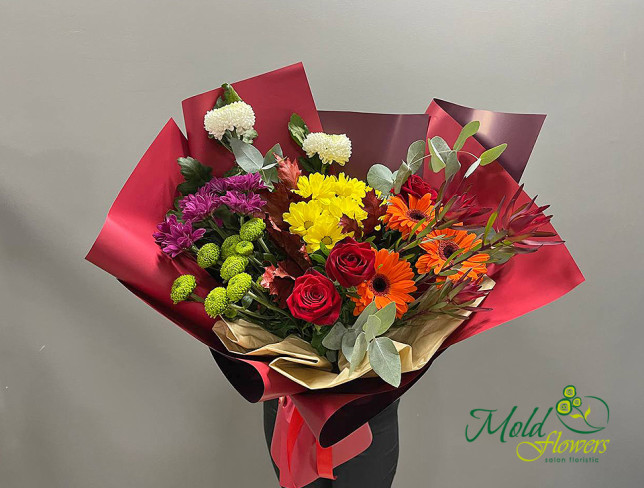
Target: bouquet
{"points": [[328, 258]]}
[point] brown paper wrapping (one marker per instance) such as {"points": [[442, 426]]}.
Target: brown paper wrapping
{"points": [[417, 341]]}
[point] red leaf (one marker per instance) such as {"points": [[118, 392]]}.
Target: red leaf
{"points": [[375, 209], [291, 245], [288, 172], [350, 225], [277, 202], [279, 280]]}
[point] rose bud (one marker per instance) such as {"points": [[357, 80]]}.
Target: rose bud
{"points": [[315, 299], [351, 263], [418, 187]]}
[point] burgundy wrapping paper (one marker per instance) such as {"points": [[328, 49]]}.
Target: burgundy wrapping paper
{"points": [[519, 131]]}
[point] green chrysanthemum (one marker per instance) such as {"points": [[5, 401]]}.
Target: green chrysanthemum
{"points": [[238, 286], [228, 246], [233, 265], [216, 302], [208, 255], [252, 230], [182, 288], [244, 248]]}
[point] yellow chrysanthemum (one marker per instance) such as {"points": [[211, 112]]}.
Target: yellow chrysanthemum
{"points": [[302, 215], [326, 230], [339, 206], [317, 186], [350, 187]]}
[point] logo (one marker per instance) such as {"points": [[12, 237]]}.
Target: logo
{"points": [[577, 434]]}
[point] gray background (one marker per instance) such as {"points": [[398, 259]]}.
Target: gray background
{"points": [[98, 390]]}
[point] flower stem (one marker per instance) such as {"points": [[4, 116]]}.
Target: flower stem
{"points": [[196, 298], [264, 246]]}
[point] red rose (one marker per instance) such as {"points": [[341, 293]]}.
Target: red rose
{"points": [[350, 263], [315, 299], [418, 187]]}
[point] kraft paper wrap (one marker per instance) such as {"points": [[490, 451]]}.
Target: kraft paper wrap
{"points": [[417, 341]]}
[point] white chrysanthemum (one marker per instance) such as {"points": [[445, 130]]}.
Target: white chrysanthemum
{"points": [[237, 115], [330, 147]]}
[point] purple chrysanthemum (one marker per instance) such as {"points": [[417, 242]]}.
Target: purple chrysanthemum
{"points": [[243, 203], [216, 185], [174, 237], [200, 205], [248, 182]]}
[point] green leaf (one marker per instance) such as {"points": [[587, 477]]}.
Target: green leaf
{"points": [[435, 145], [415, 155], [298, 129], [269, 158], [387, 315], [230, 95], [586, 413], [362, 318], [247, 156], [195, 175], [325, 250], [380, 178], [318, 259], [402, 175], [359, 352], [348, 342], [371, 327], [492, 154], [385, 360], [452, 165], [333, 340], [472, 168], [468, 131]]}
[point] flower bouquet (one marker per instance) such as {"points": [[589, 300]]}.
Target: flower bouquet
{"points": [[306, 249]]}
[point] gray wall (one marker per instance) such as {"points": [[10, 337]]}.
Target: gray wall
{"points": [[97, 389]]}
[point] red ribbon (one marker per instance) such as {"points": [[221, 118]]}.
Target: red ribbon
{"points": [[288, 413]]}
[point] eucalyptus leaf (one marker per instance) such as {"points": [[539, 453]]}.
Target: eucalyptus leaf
{"points": [[415, 155], [402, 175], [386, 315], [269, 158], [385, 360], [348, 342], [468, 131], [435, 146], [371, 327], [359, 352], [492, 154], [362, 318], [333, 340], [380, 178], [452, 165], [247, 156]]}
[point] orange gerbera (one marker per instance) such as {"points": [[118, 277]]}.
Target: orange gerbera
{"points": [[404, 218], [393, 282], [439, 250]]}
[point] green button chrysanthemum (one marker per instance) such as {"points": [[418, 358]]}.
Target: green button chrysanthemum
{"points": [[252, 230], [208, 255], [182, 288], [228, 246], [244, 248], [233, 265], [238, 286], [216, 302]]}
